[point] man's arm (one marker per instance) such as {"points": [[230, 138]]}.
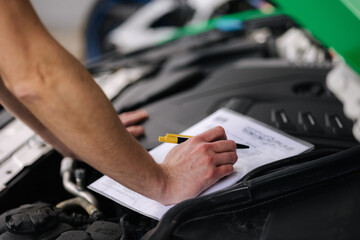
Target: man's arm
{"points": [[17, 109], [61, 94]]}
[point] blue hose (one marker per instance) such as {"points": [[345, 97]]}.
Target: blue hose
{"points": [[94, 25]]}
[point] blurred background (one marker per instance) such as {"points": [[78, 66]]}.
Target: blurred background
{"points": [[66, 21]]}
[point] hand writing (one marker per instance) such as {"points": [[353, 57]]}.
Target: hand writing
{"points": [[198, 163]]}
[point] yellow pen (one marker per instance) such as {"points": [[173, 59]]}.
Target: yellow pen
{"points": [[176, 138]]}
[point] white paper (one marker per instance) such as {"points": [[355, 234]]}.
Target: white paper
{"points": [[266, 145]]}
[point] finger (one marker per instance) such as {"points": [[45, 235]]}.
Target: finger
{"points": [[223, 171], [133, 117], [136, 131], [214, 134], [224, 146], [225, 158]]}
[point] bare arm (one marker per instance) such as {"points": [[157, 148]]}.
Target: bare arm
{"points": [[17, 109], [61, 94]]}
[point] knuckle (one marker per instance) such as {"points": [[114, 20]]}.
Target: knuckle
{"points": [[205, 147], [229, 169], [232, 144], [233, 157], [220, 130], [193, 140], [207, 160], [210, 174], [197, 139]]}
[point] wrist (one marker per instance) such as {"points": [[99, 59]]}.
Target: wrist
{"points": [[165, 194]]}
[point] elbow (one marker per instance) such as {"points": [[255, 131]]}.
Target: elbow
{"points": [[28, 86], [27, 92], [25, 89]]}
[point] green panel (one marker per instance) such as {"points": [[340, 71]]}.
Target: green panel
{"points": [[335, 23], [213, 23]]}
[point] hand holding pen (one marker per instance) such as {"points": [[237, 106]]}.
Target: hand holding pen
{"points": [[198, 163]]}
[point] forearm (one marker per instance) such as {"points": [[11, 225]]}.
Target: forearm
{"points": [[18, 110], [58, 90]]}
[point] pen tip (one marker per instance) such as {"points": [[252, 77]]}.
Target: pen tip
{"points": [[241, 146]]}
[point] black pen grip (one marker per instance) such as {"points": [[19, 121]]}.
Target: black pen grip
{"points": [[181, 139]]}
